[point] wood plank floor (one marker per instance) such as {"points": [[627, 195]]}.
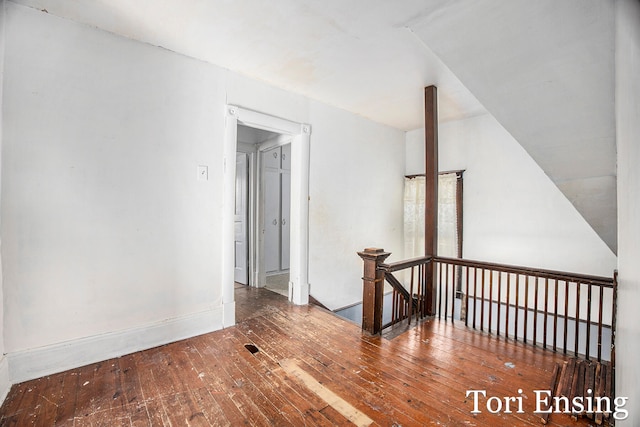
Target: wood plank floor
{"points": [[311, 368]]}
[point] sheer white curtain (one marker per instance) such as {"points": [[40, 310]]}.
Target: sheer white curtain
{"points": [[414, 193], [447, 216], [414, 217]]}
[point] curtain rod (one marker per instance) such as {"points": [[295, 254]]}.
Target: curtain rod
{"points": [[458, 172]]}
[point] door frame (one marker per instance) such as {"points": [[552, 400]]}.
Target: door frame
{"points": [[299, 244]]}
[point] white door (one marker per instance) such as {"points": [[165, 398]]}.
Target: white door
{"points": [[271, 197], [241, 268], [285, 207]]}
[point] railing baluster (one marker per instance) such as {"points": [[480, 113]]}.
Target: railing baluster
{"points": [[394, 297], [421, 290], [446, 290], [535, 313], [482, 302], [577, 334], [546, 311], [466, 297], [411, 297], [566, 314], [440, 291], [508, 304], [490, 298], [453, 291], [526, 307], [499, 302], [555, 316], [475, 294], [588, 348], [517, 305], [397, 307], [419, 293], [402, 307], [423, 301], [601, 303]]}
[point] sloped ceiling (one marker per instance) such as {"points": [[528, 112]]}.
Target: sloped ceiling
{"points": [[543, 68]]}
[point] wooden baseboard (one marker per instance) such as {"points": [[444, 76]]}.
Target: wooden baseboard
{"points": [[35, 363]]}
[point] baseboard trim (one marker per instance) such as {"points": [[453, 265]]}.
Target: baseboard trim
{"points": [[229, 313], [5, 382], [35, 363]]}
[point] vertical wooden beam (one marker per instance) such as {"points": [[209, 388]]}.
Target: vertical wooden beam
{"points": [[431, 191], [614, 332], [372, 292]]}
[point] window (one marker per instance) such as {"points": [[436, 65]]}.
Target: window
{"points": [[449, 215]]}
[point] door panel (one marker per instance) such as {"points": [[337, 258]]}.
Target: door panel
{"points": [[271, 196], [276, 175], [285, 209], [241, 239], [271, 158], [286, 157]]}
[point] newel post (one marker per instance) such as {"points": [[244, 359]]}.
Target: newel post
{"points": [[373, 285]]}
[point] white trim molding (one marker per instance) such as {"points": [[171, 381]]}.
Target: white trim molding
{"points": [[35, 363], [300, 144], [5, 381]]}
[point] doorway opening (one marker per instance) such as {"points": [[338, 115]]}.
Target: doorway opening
{"points": [[262, 217], [282, 137], [275, 204]]}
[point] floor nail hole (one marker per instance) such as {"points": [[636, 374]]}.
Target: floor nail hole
{"points": [[252, 348]]}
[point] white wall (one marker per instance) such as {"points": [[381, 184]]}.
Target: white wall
{"points": [[106, 231], [105, 225], [356, 187], [513, 213], [628, 134], [4, 368]]}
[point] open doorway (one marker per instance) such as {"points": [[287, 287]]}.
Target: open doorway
{"points": [[298, 135], [262, 217]]}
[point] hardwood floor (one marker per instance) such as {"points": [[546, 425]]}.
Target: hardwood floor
{"points": [[311, 368]]}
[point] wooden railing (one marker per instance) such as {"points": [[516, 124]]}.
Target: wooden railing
{"points": [[407, 303], [560, 311]]}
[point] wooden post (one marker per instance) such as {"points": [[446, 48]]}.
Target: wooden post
{"points": [[614, 332], [431, 192], [373, 285]]}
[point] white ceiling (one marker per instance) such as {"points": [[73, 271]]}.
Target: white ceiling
{"points": [[253, 136], [358, 55], [543, 68]]}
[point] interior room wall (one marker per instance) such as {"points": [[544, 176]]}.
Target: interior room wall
{"points": [[110, 242], [4, 367], [513, 213], [356, 186], [106, 227], [628, 135]]}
